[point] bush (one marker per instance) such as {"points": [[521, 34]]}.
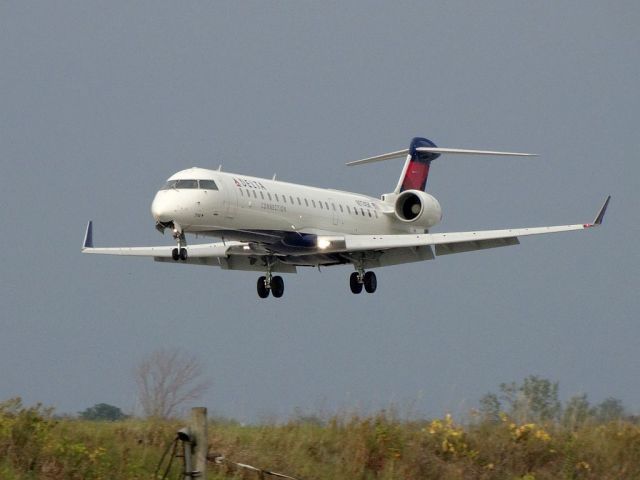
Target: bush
{"points": [[381, 446]]}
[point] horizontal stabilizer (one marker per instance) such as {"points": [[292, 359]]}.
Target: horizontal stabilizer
{"points": [[462, 151], [454, 151]]}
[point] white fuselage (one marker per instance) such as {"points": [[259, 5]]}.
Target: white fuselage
{"points": [[240, 203]]}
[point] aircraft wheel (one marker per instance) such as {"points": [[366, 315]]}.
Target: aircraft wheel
{"points": [[263, 291], [356, 286], [370, 282], [175, 254], [183, 254], [277, 286]]}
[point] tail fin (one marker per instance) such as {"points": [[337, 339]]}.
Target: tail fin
{"points": [[416, 167]]}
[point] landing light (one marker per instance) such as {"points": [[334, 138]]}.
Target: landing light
{"points": [[323, 243]]}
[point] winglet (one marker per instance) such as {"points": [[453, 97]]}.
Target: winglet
{"points": [[600, 216], [603, 210], [88, 236]]}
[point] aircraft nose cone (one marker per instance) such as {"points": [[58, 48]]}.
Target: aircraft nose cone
{"points": [[160, 209]]}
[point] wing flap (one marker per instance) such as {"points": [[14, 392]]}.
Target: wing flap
{"points": [[461, 247]]}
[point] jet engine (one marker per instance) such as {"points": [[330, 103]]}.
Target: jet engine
{"points": [[418, 208]]}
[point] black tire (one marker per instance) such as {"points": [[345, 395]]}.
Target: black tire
{"points": [[183, 254], [370, 282], [356, 286], [263, 291], [277, 286], [175, 254]]}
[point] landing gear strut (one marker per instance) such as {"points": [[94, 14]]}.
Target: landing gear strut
{"points": [[270, 283], [179, 253], [360, 278]]}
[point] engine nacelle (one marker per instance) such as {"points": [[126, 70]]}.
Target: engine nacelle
{"points": [[418, 209]]}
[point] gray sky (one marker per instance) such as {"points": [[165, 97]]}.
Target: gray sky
{"points": [[100, 102]]}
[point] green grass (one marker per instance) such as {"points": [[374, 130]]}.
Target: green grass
{"points": [[34, 445]]}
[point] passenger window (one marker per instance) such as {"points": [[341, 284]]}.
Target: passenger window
{"points": [[320, 205], [262, 195], [186, 184], [341, 209], [254, 194], [326, 205], [277, 199], [369, 212], [333, 205], [269, 195], [314, 203], [306, 202], [208, 185], [362, 210], [291, 198], [349, 209], [376, 212], [241, 194], [355, 210], [284, 198]]}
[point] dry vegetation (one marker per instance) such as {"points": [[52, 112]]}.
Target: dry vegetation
{"points": [[35, 445]]}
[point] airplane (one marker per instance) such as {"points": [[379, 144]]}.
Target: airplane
{"points": [[270, 226]]}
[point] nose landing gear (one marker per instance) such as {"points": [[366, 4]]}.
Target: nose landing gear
{"points": [[179, 253]]}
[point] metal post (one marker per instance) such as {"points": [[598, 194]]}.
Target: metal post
{"points": [[188, 464], [198, 432], [185, 437]]}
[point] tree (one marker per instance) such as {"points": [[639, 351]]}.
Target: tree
{"points": [[166, 379], [490, 408], [103, 411], [576, 411], [535, 400], [609, 410]]}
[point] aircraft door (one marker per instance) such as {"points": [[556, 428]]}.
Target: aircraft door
{"points": [[229, 199], [335, 214]]}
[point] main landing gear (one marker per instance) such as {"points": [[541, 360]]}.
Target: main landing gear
{"points": [[360, 279], [269, 283], [275, 286]]}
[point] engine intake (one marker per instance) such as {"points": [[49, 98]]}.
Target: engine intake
{"points": [[418, 208]]}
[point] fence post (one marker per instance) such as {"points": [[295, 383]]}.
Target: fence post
{"points": [[198, 432]]}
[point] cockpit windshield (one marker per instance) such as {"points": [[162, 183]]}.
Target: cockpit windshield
{"points": [[208, 184], [184, 184]]}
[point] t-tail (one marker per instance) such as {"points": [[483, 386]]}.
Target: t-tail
{"points": [[419, 155]]}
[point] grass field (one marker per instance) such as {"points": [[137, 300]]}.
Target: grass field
{"points": [[36, 445]]}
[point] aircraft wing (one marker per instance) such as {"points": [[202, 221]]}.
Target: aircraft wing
{"points": [[228, 255], [453, 242], [204, 250]]}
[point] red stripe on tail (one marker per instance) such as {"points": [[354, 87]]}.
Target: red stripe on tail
{"points": [[416, 175]]}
